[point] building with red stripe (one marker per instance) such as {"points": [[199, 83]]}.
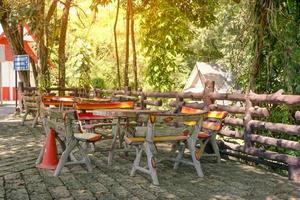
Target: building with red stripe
{"points": [[7, 73]]}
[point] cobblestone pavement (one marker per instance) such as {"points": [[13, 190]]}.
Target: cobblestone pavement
{"points": [[6, 109], [19, 179]]}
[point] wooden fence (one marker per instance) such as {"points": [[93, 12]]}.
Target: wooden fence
{"points": [[245, 123]]}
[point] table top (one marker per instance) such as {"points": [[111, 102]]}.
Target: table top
{"points": [[134, 112]]}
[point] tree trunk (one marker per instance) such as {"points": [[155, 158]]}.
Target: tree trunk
{"points": [[62, 46], [261, 23], [133, 46], [35, 72], [116, 45], [44, 76], [126, 79], [14, 34]]}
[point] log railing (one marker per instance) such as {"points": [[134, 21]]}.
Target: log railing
{"points": [[246, 122]]}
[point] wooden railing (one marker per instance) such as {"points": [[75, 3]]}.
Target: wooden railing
{"points": [[244, 124]]}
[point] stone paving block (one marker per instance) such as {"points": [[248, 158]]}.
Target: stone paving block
{"points": [[69, 198], [143, 194], [12, 176], [39, 188], [52, 181], [107, 196], [19, 194], [32, 171], [41, 197], [82, 195], [97, 188], [59, 192], [34, 178], [120, 191]]}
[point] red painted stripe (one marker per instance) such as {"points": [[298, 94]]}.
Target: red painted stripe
{"points": [[14, 93], [5, 93]]}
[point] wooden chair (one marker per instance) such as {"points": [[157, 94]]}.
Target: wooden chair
{"points": [[210, 127], [164, 128], [64, 124], [32, 106]]}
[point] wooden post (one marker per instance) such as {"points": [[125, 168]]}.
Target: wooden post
{"points": [[20, 93], [126, 90], [179, 103], [297, 115], [208, 89], [294, 173], [247, 125], [143, 98]]}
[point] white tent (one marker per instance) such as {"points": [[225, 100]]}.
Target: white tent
{"points": [[204, 71]]}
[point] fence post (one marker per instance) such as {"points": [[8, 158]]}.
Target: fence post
{"points": [[179, 103], [247, 119], [143, 98], [294, 173], [209, 88]]}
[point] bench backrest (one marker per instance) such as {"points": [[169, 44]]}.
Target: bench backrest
{"points": [[104, 105], [213, 119], [62, 122], [31, 103], [67, 101], [167, 124]]}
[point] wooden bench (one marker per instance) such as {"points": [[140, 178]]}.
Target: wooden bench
{"points": [[64, 124], [32, 106], [164, 128], [210, 127]]}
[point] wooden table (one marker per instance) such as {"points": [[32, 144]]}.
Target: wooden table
{"points": [[170, 128], [118, 115]]}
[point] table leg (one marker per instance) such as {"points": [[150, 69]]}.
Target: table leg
{"points": [[115, 132], [191, 142]]}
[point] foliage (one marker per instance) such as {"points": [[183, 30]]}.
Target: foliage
{"points": [[166, 30], [98, 83], [281, 49]]}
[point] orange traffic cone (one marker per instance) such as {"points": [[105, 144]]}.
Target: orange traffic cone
{"points": [[50, 160]]}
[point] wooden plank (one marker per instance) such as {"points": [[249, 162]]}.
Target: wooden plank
{"points": [[58, 114], [254, 159], [141, 131], [290, 160], [275, 127], [233, 134], [276, 98], [31, 105], [233, 121], [104, 105], [153, 102], [31, 98], [166, 118], [276, 142]]}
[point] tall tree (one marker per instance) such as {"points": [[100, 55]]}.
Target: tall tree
{"points": [[134, 60], [116, 44], [62, 45], [42, 51], [126, 79], [261, 13]]}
